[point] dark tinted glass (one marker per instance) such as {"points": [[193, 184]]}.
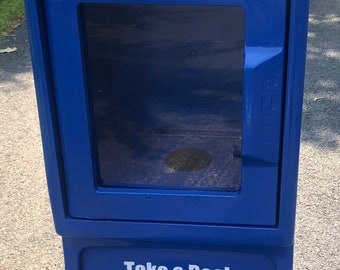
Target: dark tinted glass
{"points": [[165, 87]]}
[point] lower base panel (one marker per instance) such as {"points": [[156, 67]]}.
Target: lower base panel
{"points": [[108, 254]]}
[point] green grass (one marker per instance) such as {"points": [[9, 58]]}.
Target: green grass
{"points": [[12, 12]]}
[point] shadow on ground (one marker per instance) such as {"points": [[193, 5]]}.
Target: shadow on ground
{"points": [[321, 111], [15, 63]]}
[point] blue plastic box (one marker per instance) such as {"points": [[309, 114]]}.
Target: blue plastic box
{"points": [[171, 130]]}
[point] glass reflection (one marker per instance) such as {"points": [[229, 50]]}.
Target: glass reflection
{"points": [[165, 87]]}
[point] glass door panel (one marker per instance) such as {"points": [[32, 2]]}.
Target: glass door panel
{"points": [[169, 112], [165, 86]]}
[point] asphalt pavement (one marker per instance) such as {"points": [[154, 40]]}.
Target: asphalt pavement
{"points": [[27, 236]]}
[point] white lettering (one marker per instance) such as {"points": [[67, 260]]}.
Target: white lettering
{"points": [[149, 266], [129, 265]]}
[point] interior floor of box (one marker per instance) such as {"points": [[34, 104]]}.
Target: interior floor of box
{"points": [[140, 159]]}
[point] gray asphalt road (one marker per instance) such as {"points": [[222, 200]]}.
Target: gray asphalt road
{"points": [[27, 237]]}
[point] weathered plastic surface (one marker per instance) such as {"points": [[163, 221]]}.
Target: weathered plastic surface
{"points": [[249, 200], [90, 201], [109, 254]]}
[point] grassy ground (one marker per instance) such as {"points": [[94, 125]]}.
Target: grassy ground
{"points": [[12, 13]]}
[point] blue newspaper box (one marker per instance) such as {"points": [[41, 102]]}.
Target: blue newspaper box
{"points": [[171, 129]]}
